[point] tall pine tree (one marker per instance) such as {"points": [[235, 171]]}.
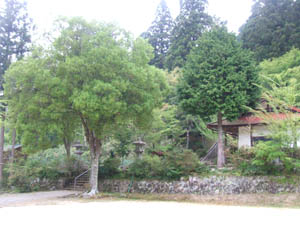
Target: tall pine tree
{"points": [[15, 27], [272, 29], [190, 24], [159, 34]]}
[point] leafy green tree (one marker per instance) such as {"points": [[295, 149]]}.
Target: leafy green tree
{"points": [[280, 87], [190, 24], [123, 139], [281, 84], [101, 75], [272, 29], [14, 39], [219, 78], [159, 34], [284, 135], [43, 121], [281, 77]]}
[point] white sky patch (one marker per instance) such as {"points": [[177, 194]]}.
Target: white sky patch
{"points": [[235, 12], [133, 15]]}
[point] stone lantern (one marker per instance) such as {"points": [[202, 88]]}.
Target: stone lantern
{"points": [[79, 148], [139, 147]]}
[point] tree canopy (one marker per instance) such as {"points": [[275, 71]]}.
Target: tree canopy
{"points": [[272, 29], [97, 73], [44, 121], [219, 78]]}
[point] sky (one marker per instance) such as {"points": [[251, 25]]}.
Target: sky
{"points": [[133, 15]]}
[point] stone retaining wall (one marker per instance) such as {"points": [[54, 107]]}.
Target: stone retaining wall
{"points": [[202, 186]]}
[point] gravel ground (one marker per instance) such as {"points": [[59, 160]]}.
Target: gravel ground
{"points": [[56, 208], [32, 198], [141, 212]]}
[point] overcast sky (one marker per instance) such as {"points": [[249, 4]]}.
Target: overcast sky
{"points": [[133, 15]]}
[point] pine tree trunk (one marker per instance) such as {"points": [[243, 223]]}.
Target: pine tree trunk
{"points": [[1, 150], [221, 155]]}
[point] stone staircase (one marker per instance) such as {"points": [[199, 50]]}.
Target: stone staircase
{"points": [[80, 183]]}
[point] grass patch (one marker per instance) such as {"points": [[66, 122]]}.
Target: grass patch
{"points": [[286, 200], [291, 179]]}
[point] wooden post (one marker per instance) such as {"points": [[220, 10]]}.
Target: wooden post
{"points": [[221, 155]]}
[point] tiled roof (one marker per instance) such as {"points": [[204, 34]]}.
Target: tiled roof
{"points": [[252, 119]]}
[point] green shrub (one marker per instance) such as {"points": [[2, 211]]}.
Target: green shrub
{"points": [[241, 155], [265, 158], [22, 178], [172, 165], [248, 169], [178, 164], [271, 158], [50, 164], [109, 168], [147, 167]]}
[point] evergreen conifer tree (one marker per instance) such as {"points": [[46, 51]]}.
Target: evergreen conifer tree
{"points": [[189, 26], [272, 29], [15, 26], [219, 78], [159, 34]]}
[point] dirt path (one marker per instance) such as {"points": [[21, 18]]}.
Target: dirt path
{"points": [[35, 197]]}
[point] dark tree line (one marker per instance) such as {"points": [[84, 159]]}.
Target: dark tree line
{"points": [[272, 29], [173, 40]]}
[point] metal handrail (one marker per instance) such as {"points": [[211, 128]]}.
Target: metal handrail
{"points": [[80, 175], [210, 151]]}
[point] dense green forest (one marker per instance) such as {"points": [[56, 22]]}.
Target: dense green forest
{"points": [[138, 107]]}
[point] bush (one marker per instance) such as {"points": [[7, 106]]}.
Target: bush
{"points": [[109, 168], [172, 165], [147, 167], [265, 158], [50, 164], [239, 155], [178, 164], [272, 159]]}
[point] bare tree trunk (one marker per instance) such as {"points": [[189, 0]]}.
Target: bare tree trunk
{"points": [[13, 143], [221, 155], [1, 149], [95, 151], [67, 145], [84, 136]]}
